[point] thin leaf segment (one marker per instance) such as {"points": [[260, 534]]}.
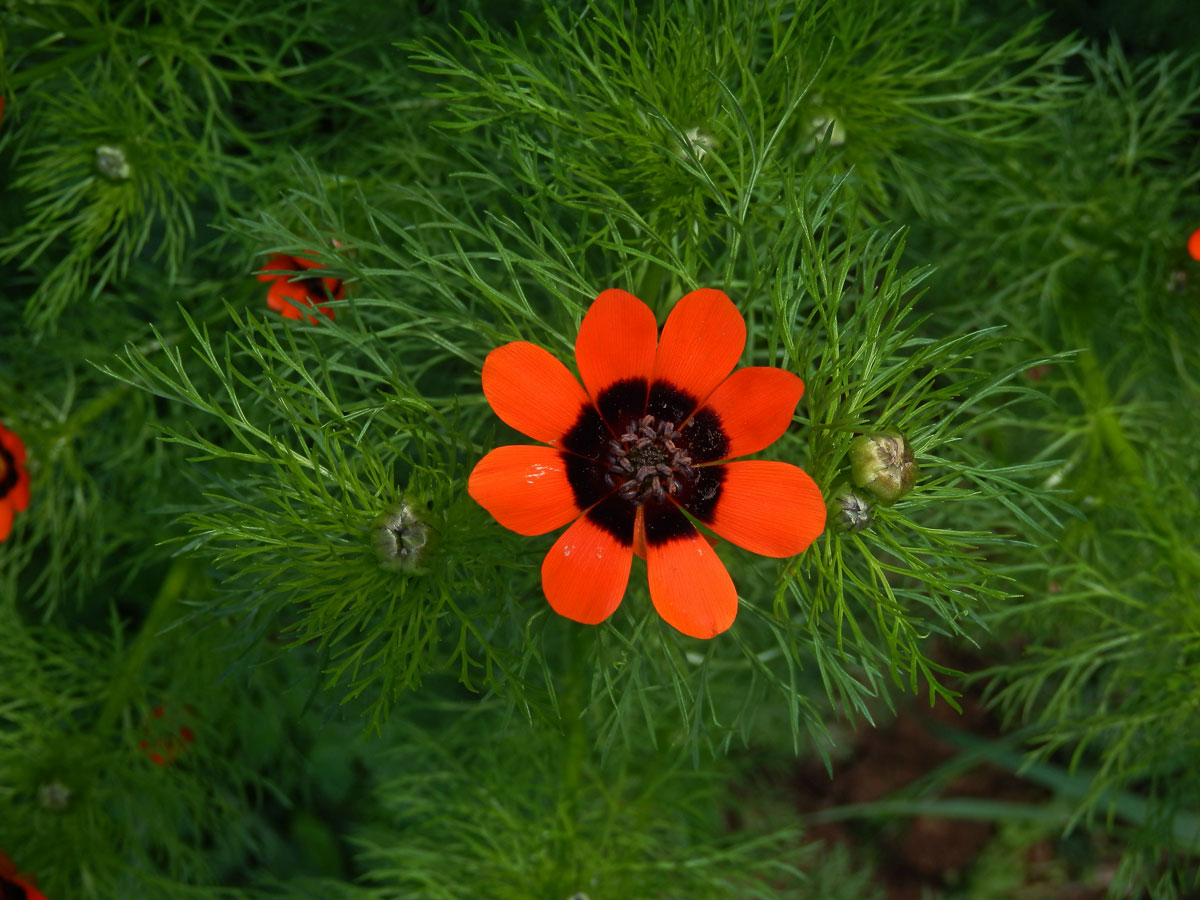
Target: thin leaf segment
{"points": [[642, 450]]}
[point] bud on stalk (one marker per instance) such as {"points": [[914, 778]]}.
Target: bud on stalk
{"points": [[112, 163], [884, 465], [401, 538], [849, 511]]}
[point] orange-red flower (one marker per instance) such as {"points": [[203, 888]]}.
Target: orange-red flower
{"points": [[1194, 244], [288, 294], [14, 480], [642, 450]]}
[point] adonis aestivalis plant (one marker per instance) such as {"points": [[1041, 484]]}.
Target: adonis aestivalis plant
{"points": [[641, 450]]}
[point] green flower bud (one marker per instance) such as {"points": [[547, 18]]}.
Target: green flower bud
{"points": [[849, 510], [883, 464], [111, 162], [401, 538]]}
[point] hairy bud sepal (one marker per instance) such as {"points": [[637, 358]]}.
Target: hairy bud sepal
{"points": [[883, 464], [849, 510], [401, 537]]}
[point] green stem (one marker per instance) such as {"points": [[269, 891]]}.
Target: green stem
{"points": [[91, 410], [1109, 425], [162, 610], [101, 404], [574, 752]]}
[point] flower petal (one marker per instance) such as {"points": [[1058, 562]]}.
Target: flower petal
{"points": [[525, 488], [616, 341], [689, 585], [532, 391], [19, 495], [6, 519], [586, 571], [754, 407], [701, 342], [13, 444], [285, 299], [299, 295], [767, 507], [276, 263], [639, 534]]}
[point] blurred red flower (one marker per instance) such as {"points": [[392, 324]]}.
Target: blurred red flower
{"points": [[289, 294], [14, 480]]}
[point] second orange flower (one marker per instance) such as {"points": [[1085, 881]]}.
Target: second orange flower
{"points": [[641, 452], [290, 295], [14, 480]]}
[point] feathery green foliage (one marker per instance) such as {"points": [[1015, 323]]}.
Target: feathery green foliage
{"points": [[525, 818], [1110, 608]]}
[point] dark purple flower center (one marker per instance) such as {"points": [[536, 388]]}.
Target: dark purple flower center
{"points": [[646, 461], [10, 890], [8, 472], [316, 290], [646, 446]]}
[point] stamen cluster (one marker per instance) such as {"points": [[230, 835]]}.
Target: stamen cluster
{"points": [[646, 461]]}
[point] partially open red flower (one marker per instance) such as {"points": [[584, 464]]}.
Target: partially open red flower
{"points": [[14, 480], [288, 294], [15, 886], [1194, 244], [642, 450]]}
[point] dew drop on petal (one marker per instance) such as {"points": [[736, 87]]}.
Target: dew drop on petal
{"points": [[535, 472]]}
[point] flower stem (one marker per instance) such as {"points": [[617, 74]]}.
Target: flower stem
{"points": [[92, 410], [1107, 422], [574, 749], [174, 585]]}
